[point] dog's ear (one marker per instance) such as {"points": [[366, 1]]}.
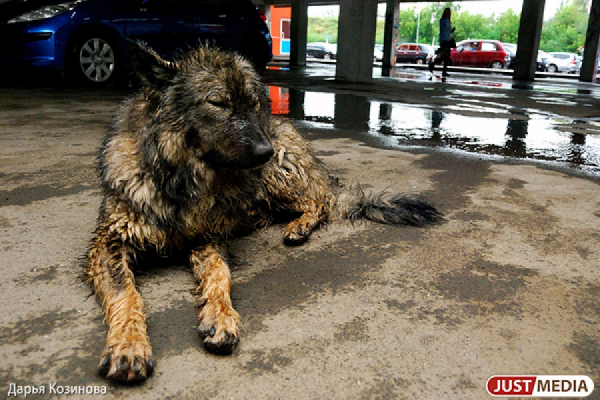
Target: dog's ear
{"points": [[149, 66]]}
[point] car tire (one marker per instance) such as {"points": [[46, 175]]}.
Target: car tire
{"points": [[497, 65], [327, 56], [552, 68], [96, 60], [420, 61]]}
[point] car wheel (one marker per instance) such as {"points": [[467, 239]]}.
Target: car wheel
{"points": [[497, 65], [95, 60], [420, 61], [327, 56], [552, 68]]}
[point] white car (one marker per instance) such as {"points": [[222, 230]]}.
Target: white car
{"points": [[564, 62], [378, 52]]}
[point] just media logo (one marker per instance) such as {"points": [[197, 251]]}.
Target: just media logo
{"points": [[540, 385]]}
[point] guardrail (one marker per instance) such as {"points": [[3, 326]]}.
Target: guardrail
{"points": [[507, 72]]}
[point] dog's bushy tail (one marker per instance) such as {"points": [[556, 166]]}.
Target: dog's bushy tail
{"points": [[386, 208]]}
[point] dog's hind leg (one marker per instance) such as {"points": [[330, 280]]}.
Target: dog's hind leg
{"points": [[127, 355], [218, 321]]}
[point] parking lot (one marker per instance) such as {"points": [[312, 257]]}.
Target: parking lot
{"points": [[508, 284]]}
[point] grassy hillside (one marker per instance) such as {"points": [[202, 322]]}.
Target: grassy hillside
{"points": [[319, 27]]}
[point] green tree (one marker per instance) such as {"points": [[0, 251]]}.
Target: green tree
{"points": [[428, 22], [472, 26], [505, 27], [407, 25], [566, 30]]}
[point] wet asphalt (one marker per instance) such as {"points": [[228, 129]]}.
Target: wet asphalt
{"points": [[508, 284]]}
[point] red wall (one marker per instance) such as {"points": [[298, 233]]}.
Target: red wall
{"points": [[278, 13]]}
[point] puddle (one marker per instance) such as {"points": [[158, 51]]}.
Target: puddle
{"points": [[512, 133]]}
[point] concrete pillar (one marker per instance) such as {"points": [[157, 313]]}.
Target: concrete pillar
{"points": [[352, 112], [591, 44], [298, 32], [530, 31], [390, 36], [356, 40], [296, 101]]}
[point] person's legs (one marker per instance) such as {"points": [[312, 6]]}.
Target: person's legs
{"points": [[446, 58]]}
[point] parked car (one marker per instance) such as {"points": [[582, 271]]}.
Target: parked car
{"points": [[543, 60], [326, 51], [564, 62], [378, 52], [413, 53], [512, 51], [542, 57], [480, 53], [87, 38], [432, 54]]}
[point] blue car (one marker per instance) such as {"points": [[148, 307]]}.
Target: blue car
{"points": [[87, 38]]}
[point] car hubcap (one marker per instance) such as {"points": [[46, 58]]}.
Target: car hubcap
{"points": [[97, 60]]}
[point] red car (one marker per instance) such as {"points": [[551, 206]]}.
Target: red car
{"points": [[413, 53], [480, 54]]}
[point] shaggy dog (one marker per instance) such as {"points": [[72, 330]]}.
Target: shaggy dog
{"points": [[194, 159]]}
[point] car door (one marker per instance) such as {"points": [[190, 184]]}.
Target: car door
{"points": [[466, 54], [413, 50], [560, 61], [172, 26], [485, 54], [402, 53], [423, 52]]}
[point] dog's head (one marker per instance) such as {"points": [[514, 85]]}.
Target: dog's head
{"points": [[213, 99]]}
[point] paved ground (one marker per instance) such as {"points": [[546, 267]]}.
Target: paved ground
{"points": [[508, 285]]}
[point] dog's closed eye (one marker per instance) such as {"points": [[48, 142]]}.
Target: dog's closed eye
{"points": [[218, 103]]}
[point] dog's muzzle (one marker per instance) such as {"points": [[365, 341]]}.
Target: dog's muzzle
{"points": [[263, 153]]}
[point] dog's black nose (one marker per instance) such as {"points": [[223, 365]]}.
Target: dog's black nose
{"points": [[263, 152]]}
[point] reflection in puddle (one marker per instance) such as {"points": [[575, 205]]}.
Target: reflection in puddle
{"points": [[514, 133]]}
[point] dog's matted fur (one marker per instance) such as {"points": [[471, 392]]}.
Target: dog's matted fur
{"points": [[193, 159]]}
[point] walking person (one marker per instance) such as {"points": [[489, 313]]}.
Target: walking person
{"points": [[446, 42]]}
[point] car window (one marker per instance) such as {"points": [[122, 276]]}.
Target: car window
{"points": [[487, 46], [472, 46], [404, 47], [414, 48]]}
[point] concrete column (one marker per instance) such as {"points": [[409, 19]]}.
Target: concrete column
{"points": [[298, 32], [356, 40], [296, 99], [530, 31], [390, 36], [352, 112], [591, 44]]}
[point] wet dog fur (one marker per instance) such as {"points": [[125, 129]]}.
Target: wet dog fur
{"points": [[193, 159]]}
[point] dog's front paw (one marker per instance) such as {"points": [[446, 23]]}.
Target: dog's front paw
{"points": [[219, 328], [296, 233], [127, 362]]}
